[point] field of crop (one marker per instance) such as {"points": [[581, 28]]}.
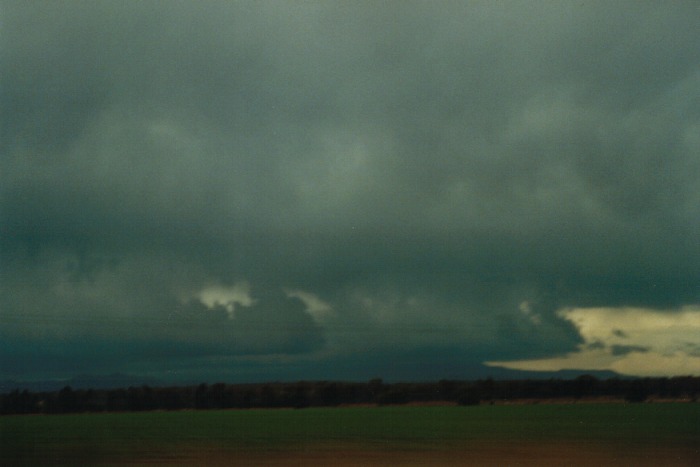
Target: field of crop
{"points": [[567, 434]]}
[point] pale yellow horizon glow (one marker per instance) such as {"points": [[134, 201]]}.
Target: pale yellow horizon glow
{"points": [[629, 341]]}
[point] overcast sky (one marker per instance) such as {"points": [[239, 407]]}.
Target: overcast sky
{"points": [[248, 191]]}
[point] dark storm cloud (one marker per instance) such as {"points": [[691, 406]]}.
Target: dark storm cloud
{"points": [[437, 175]]}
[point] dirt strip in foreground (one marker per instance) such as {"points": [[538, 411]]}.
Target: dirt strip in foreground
{"points": [[478, 454]]}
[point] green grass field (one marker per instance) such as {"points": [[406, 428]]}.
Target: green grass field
{"points": [[174, 437]]}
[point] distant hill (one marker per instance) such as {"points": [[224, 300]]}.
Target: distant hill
{"points": [[112, 381], [504, 374]]}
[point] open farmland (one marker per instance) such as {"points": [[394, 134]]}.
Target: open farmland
{"points": [[564, 434]]}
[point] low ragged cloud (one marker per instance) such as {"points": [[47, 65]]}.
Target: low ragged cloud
{"points": [[227, 297]]}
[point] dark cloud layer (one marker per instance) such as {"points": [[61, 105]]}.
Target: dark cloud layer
{"points": [[438, 176]]}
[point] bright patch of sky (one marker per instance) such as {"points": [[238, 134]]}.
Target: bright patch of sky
{"points": [[629, 341]]}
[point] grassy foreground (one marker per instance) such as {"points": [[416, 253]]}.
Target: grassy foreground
{"points": [[176, 437]]}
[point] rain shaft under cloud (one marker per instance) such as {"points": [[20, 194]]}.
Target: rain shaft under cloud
{"points": [[266, 190]]}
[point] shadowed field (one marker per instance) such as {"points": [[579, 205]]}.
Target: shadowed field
{"points": [[574, 434]]}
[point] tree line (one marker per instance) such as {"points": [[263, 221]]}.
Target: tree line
{"points": [[333, 393]]}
